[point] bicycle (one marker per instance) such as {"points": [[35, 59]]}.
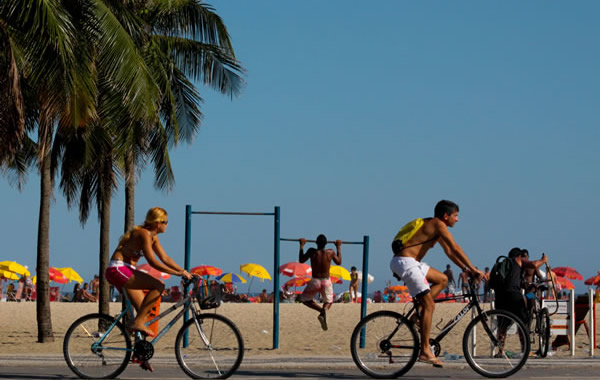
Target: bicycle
{"points": [[539, 317], [385, 344], [98, 346]]}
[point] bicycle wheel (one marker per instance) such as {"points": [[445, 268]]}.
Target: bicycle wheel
{"points": [[103, 361], [496, 344], [543, 332], [391, 345], [215, 347]]}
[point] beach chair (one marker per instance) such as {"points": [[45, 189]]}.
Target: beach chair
{"points": [[581, 309]]}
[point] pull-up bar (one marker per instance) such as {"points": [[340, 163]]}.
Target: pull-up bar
{"points": [[328, 241], [365, 270]]}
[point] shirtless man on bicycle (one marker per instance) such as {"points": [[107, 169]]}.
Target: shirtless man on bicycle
{"points": [[424, 283]]}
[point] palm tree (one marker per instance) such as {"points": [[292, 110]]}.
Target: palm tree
{"points": [[58, 48], [186, 41], [164, 32]]}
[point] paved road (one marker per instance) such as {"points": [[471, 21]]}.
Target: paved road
{"points": [[573, 373], [583, 370]]}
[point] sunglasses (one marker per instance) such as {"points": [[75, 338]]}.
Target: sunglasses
{"points": [[164, 222]]}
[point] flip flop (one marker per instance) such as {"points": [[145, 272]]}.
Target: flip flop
{"points": [[437, 363]]}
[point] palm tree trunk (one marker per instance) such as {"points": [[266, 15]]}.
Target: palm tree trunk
{"points": [[129, 192], [44, 320], [104, 290]]}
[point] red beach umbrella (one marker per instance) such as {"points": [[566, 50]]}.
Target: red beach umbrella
{"points": [[567, 272], [206, 270], [295, 269], [593, 280]]}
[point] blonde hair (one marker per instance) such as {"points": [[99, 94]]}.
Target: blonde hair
{"points": [[154, 215]]}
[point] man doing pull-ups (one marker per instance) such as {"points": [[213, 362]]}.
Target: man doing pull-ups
{"points": [[320, 261]]}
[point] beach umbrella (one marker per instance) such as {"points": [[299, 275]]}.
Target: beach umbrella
{"points": [[567, 272], [339, 272], [335, 280], [295, 269], [231, 277], [395, 288], [70, 274], [593, 280], [564, 283], [255, 270], [297, 281], [370, 277], [147, 268], [206, 270], [13, 266], [8, 275]]}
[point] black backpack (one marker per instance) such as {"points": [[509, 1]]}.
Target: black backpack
{"points": [[501, 273]]}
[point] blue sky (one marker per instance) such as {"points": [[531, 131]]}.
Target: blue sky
{"points": [[359, 117]]}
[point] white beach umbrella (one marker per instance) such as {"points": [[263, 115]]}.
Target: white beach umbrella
{"points": [[370, 278]]}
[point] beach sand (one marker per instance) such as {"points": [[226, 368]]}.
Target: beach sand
{"points": [[300, 334]]}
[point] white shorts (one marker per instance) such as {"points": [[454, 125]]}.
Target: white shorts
{"points": [[413, 273]]}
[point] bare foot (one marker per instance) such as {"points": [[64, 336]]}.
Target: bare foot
{"points": [[143, 329]]}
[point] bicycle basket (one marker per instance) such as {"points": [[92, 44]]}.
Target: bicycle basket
{"points": [[209, 295]]}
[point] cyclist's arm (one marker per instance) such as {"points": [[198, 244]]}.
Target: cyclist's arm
{"points": [[453, 250], [149, 248]]}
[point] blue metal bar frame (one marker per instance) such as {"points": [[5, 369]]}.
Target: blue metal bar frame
{"points": [[188, 243]]}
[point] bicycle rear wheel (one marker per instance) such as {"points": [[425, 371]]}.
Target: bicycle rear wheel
{"points": [[543, 331], [391, 345], [496, 344], [215, 347], [102, 361]]}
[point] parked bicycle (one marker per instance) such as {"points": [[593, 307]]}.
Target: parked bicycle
{"points": [[495, 343], [98, 346], [539, 316]]}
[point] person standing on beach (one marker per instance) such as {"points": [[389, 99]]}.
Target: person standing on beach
{"points": [[451, 283], [95, 285], [320, 261], [463, 281], [410, 247], [353, 290]]}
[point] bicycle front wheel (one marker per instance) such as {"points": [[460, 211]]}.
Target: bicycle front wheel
{"points": [[384, 345], [214, 347], [543, 330], [496, 344], [94, 350]]}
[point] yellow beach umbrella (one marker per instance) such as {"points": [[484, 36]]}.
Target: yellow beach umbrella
{"points": [[255, 270], [13, 266], [70, 274], [339, 272], [8, 275]]}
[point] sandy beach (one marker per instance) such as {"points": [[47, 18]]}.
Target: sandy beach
{"points": [[300, 333]]}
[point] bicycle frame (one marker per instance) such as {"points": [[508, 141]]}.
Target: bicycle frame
{"points": [[186, 302]]}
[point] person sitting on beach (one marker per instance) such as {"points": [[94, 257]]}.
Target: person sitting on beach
{"points": [[353, 290], [320, 261], [142, 241], [263, 296], [410, 247], [83, 295]]}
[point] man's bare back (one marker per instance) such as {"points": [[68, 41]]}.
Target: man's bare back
{"points": [[320, 261]]}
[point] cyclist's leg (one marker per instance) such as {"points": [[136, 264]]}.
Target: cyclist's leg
{"points": [[437, 281], [143, 303], [427, 305]]}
